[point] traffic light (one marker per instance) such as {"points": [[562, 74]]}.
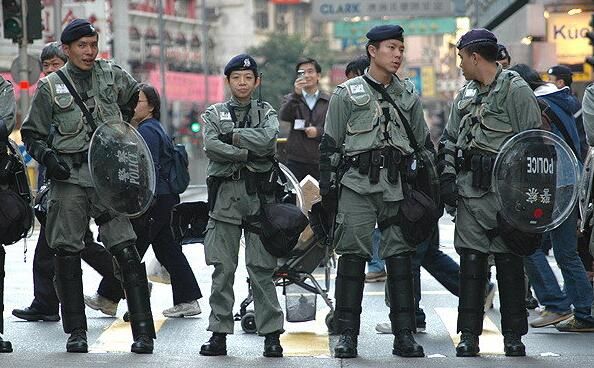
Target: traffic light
{"points": [[34, 26], [12, 18], [13, 15], [195, 127]]}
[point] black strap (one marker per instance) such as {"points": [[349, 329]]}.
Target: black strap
{"points": [[378, 87], [245, 123], [3, 133], [78, 100], [559, 125]]}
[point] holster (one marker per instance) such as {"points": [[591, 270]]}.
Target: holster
{"points": [[212, 186], [393, 164], [364, 160], [376, 165]]}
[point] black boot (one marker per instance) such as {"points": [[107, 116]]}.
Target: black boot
{"points": [[513, 346], [471, 308], [512, 296], [5, 346], [69, 288], [402, 306], [135, 285], [468, 345], [77, 342], [350, 281], [216, 345], [346, 347], [272, 346]]}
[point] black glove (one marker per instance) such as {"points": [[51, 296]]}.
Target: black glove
{"points": [[226, 138], [448, 191], [56, 167]]}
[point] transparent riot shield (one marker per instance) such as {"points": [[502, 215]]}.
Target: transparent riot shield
{"points": [[122, 168], [585, 191], [535, 178]]}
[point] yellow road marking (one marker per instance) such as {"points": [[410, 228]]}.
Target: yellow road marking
{"points": [[118, 336], [491, 341], [307, 338]]}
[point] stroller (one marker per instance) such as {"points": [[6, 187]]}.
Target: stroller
{"points": [[294, 273]]}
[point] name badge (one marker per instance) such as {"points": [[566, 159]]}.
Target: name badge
{"points": [[357, 88], [225, 115], [61, 88], [470, 93]]}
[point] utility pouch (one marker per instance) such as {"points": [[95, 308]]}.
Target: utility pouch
{"points": [[251, 182], [212, 187], [376, 164], [394, 158], [487, 168], [364, 160], [476, 169]]}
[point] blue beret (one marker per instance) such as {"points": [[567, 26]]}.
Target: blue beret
{"points": [[385, 32], [76, 29], [476, 36], [241, 62], [502, 52]]}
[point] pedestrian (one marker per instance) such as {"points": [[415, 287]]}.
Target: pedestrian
{"points": [[365, 129], [557, 106], [494, 105], [106, 92], [153, 227], [239, 139], [45, 304], [305, 109], [503, 56], [7, 123]]}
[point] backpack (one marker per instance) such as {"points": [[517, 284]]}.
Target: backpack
{"points": [[179, 174], [15, 217]]}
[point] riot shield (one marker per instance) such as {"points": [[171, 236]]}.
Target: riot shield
{"points": [[122, 168], [585, 191], [535, 179]]}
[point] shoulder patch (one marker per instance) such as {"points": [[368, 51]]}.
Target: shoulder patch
{"points": [[357, 88], [60, 88]]}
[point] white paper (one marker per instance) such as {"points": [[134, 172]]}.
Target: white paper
{"points": [[299, 124]]}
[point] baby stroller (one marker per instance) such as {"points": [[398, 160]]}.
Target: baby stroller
{"points": [[295, 275]]}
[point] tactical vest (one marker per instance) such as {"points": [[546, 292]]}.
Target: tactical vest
{"points": [[367, 121], [485, 122], [71, 131]]}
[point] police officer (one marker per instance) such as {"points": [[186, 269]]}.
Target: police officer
{"points": [[364, 131], [109, 93], [494, 105], [7, 122], [239, 136]]}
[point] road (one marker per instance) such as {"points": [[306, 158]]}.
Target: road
{"points": [[306, 344]]}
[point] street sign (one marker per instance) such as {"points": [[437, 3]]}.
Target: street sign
{"points": [[412, 27], [33, 69], [340, 9]]}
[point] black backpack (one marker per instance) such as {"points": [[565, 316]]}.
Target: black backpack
{"points": [[15, 217]]}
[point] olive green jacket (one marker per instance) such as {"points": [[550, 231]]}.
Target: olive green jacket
{"points": [[259, 138], [55, 122], [482, 118], [356, 123]]}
